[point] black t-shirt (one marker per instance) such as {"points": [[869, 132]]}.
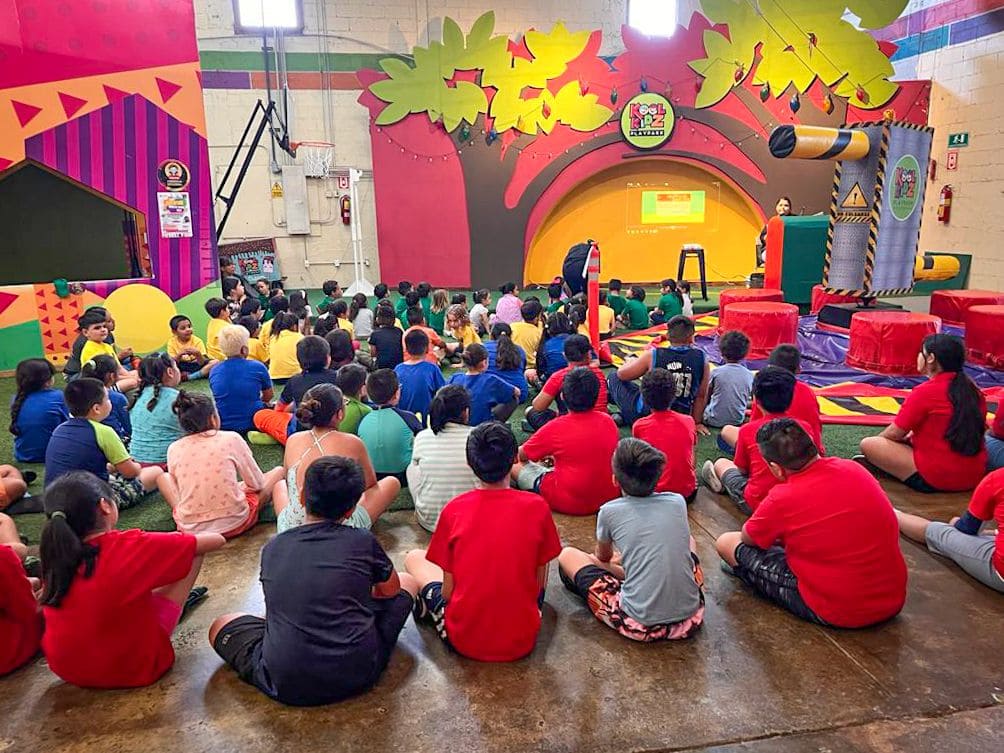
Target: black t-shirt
{"points": [[297, 386], [389, 348], [573, 269], [321, 642]]}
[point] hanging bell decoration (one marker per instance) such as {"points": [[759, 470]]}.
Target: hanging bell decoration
{"points": [[491, 136], [795, 103], [613, 96], [644, 84], [827, 103], [861, 94], [739, 74], [465, 132], [765, 92]]}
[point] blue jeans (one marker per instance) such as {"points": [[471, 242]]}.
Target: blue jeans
{"points": [[627, 397], [995, 452]]}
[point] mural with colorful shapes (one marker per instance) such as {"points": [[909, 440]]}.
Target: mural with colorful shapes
{"points": [[102, 93]]}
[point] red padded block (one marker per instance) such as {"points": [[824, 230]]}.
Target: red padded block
{"points": [[730, 296], [951, 305], [985, 335], [821, 298], [766, 323], [887, 342]]}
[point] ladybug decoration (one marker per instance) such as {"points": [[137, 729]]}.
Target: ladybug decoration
{"points": [[739, 74]]}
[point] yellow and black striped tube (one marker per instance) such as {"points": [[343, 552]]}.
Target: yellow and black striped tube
{"points": [[815, 142]]}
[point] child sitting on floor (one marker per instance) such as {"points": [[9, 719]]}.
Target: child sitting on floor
{"points": [[438, 309], [673, 434], [83, 443], [981, 555], [402, 305], [285, 336], [688, 304], [577, 446], [437, 349], [555, 297], [607, 317], [219, 317], [387, 339], [96, 331], [578, 352], [507, 360], [340, 313], [36, 410], [361, 316], [748, 479], [154, 422], [614, 298], [527, 334], [256, 351], [655, 591], [234, 295], [550, 355], [459, 326], [202, 485], [489, 542], [935, 443], [388, 431], [823, 544], [492, 398], [479, 311], [670, 303], [120, 594], [731, 384], [687, 364], [105, 370], [188, 350], [241, 387], [351, 380], [333, 603], [20, 616], [332, 292], [91, 315], [319, 414], [634, 316], [418, 377]]}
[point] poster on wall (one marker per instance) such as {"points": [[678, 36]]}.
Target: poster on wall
{"points": [[672, 207], [255, 259], [175, 210]]}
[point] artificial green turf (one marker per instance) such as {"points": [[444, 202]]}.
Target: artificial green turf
{"points": [[153, 514]]}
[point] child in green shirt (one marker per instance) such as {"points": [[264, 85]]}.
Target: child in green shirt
{"points": [[670, 303], [635, 314], [351, 380], [614, 298]]}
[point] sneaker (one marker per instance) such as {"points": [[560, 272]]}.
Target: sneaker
{"points": [[27, 505], [195, 597], [261, 438], [710, 478], [727, 568]]}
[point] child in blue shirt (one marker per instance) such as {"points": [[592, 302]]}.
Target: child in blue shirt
{"points": [[419, 379], [240, 386], [154, 423], [83, 443], [731, 384], [105, 370], [492, 398], [36, 410], [388, 431], [507, 359]]}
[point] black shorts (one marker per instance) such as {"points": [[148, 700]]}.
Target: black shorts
{"points": [[189, 367], [239, 645], [583, 580], [917, 483], [766, 571]]}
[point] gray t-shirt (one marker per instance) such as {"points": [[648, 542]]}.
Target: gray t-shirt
{"points": [[730, 389], [653, 537]]}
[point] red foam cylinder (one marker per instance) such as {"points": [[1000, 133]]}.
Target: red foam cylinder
{"points": [[951, 305], [766, 323], [731, 296], [887, 342], [985, 335], [821, 298]]}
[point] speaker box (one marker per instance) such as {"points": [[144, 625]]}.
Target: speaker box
{"points": [[839, 314]]}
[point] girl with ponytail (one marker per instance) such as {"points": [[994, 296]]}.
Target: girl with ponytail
{"points": [[439, 471], [111, 598], [213, 482], [506, 359], [492, 398], [36, 410], [320, 412], [154, 423], [935, 443]]}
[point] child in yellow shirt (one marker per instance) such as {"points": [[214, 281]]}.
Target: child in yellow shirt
{"points": [[340, 311], [96, 333], [607, 317], [459, 324], [283, 362], [219, 317], [188, 350], [256, 351]]}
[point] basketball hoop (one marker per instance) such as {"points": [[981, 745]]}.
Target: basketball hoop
{"points": [[317, 157]]}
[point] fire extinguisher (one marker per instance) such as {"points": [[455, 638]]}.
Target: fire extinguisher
{"points": [[345, 205], [945, 205]]}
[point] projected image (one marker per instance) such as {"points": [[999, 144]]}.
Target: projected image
{"points": [[672, 207]]}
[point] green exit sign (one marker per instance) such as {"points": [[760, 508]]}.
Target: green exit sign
{"points": [[958, 139]]}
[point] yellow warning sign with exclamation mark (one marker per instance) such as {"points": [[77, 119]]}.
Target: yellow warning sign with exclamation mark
{"points": [[855, 199]]}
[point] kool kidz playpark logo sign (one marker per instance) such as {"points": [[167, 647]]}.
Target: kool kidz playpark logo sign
{"points": [[647, 121]]}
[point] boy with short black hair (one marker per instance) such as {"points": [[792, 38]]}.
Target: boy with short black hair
{"points": [[92, 315], [824, 542], [332, 292], [655, 592], [279, 304], [188, 350], [97, 333], [256, 349], [731, 384], [634, 315], [527, 333], [687, 364], [334, 605], [555, 291], [579, 444], [388, 431], [614, 298], [482, 579], [578, 352], [351, 380], [417, 322], [748, 479], [380, 291], [83, 443], [424, 291], [419, 378], [674, 434], [219, 317], [608, 317], [804, 405]]}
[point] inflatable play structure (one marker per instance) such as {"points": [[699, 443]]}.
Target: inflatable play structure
{"points": [[104, 174]]}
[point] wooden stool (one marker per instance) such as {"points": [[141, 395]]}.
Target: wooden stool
{"points": [[887, 342], [951, 305], [985, 336], [766, 323], [693, 250]]}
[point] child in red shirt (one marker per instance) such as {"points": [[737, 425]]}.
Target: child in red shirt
{"points": [[748, 479], [578, 445], [482, 579], [20, 618], [823, 544], [111, 598], [935, 443], [674, 434], [578, 352], [980, 555]]}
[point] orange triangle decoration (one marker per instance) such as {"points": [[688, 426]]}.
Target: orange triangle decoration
{"points": [[167, 89], [71, 105], [25, 112], [113, 94]]}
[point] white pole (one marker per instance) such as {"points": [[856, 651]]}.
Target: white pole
{"points": [[360, 283]]}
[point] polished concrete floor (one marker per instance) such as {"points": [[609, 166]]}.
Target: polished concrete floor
{"points": [[754, 679]]}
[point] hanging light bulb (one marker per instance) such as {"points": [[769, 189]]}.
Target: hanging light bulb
{"points": [[613, 96], [765, 92], [795, 103], [827, 103], [644, 84]]}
